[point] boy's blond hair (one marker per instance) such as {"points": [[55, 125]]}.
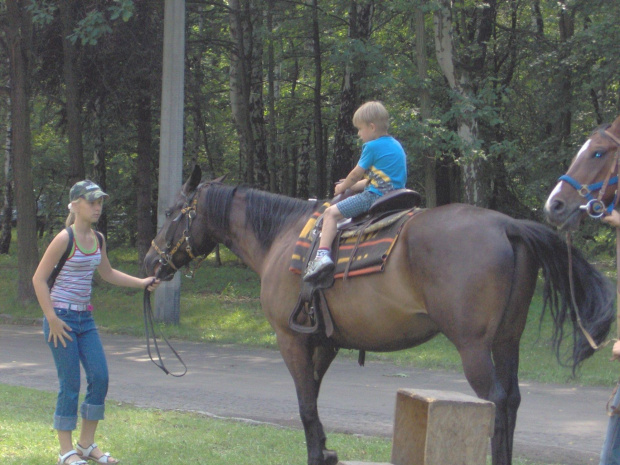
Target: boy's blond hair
{"points": [[372, 112]]}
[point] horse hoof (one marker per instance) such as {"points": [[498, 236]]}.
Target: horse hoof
{"points": [[330, 457]]}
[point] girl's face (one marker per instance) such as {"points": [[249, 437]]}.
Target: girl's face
{"points": [[366, 132], [89, 210]]}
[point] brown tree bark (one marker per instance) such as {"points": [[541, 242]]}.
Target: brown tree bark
{"points": [[72, 92], [430, 164], [345, 149], [7, 196], [18, 36]]}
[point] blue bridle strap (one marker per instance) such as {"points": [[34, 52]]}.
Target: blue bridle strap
{"points": [[586, 191]]}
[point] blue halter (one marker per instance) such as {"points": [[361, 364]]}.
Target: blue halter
{"points": [[595, 207]]}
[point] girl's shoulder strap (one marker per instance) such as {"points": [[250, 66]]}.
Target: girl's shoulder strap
{"points": [[52, 279]]}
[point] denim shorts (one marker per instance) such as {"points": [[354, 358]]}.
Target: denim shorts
{"points": [[357, 204], [85, 349]]}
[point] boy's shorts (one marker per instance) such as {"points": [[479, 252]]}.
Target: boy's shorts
{"points": [[357, 204]]}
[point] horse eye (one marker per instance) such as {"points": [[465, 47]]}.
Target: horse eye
{"points": [[168, 213], [598, 154]]}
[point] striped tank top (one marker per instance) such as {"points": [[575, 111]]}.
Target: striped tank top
{"points": [[74, 282]]}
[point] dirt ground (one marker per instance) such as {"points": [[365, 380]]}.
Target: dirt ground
{"points": [[556, 424]]}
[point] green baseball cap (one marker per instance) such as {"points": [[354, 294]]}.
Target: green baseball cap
{"points": [[87, 190]]}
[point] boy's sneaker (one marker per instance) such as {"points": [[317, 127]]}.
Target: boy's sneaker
{"points": [[319, 267]]}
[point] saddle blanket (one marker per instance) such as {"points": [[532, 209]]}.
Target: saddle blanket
{"points": [[358, 252]]}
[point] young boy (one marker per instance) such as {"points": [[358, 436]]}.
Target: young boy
{"points": [[381, 168]]}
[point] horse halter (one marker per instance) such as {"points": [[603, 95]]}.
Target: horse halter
{"points": [[595, 207], [165, 256]]}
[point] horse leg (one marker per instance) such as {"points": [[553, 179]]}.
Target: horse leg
{"points": [[307, 361], [506, 359], [481, 375]]}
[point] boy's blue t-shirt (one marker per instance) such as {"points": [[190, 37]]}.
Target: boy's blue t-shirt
{"points": [[385, 163]]}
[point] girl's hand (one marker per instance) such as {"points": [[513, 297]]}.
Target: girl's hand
{"points": [[151, 283], [58, 331]]}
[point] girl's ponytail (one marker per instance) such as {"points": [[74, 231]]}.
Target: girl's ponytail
{"points": [[71, 218]]}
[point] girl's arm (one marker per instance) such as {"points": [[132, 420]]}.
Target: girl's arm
{"points": [[118, 278], [51, 257]]}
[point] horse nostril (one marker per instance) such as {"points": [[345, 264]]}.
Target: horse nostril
{"points": [[557, 206]]}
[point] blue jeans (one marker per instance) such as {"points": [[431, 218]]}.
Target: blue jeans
{"points": [[86, 348], [610, 454]]}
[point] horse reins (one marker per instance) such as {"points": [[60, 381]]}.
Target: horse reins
{"points": [[165, 259], [149, 330], [595, 208]]}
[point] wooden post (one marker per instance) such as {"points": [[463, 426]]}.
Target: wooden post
{"points": [[168, 294], [439, 428]]}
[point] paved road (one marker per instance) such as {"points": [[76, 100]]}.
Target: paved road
{"points": [[557, 424]]}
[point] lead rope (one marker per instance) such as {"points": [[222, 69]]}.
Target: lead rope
{"points": [[572, 296], [149, 331]]}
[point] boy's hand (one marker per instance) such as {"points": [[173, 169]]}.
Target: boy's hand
{"points": [[613, 219], [615, 352]]}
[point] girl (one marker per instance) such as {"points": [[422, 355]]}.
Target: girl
{"points": [[69, 327]]}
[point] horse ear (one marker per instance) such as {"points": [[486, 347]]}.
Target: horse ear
{"points": [[193, 181], [220, 179], [615, 126]]}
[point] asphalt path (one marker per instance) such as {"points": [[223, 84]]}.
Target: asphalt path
{"points": [[557, 424]]}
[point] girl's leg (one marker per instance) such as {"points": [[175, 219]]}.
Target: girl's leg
{"points": [[67, 363], [610, 454], [95, 366]]}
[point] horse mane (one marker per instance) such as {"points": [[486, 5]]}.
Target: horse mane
{"points": [[267, 214]]}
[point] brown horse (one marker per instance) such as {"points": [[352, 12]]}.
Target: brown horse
{"points": [[590, 186], [466, 272]]}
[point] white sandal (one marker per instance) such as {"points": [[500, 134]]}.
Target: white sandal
{"points": [[85, 452], [62, 459]]}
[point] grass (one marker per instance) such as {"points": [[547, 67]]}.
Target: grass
{"points": [[148, 436]]}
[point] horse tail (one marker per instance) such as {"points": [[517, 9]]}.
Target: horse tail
{"points": [[593, 292]]}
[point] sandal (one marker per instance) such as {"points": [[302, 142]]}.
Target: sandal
{"points": [[85, 452], [62, 459]]}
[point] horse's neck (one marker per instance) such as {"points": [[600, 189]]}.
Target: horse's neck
{"points": [[242, 241]]}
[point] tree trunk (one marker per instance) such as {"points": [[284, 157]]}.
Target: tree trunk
{"points": [[303, 184], [7, 207], [256, 105], [459, 81], [345, 149], [272, 134], [144, 175], [72, 92], [240, 69], [430, 165], [320, 157], [18, 35], [99, 159]]}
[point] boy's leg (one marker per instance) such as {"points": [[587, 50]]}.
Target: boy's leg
{"points": [[348, 208]]}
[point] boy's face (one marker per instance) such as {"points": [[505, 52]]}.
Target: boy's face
{"points": [[367, 132]]}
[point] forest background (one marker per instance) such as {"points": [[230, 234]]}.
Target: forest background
{"points": [[491, 100]]}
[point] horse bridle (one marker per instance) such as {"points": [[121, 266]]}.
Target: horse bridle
{"points": [[595, 207], [165, 256]]}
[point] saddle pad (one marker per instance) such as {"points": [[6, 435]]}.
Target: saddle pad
{"points": [[362, 255]]}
